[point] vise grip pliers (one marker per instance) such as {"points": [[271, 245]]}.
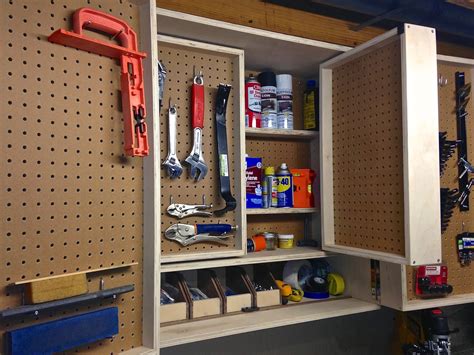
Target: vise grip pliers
{"points": [[187, 234], [181, 210]]}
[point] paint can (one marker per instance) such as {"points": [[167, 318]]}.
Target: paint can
{"points": [[269, 99]]}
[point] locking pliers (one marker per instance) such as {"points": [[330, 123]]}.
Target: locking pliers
{"points": [[187, 234], [182, 210]]}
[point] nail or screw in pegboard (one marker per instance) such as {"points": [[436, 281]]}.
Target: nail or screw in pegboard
{"points": [[180, 61], [70, 200], [458, 276], [368, 152]]}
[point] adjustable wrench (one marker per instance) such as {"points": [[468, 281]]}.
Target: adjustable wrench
{"points": [[172, 162], [196, 159]]}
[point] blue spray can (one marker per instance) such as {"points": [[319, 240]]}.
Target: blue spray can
{"points": [[285, 186]]}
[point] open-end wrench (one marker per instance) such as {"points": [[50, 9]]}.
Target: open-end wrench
{"points": [[172, 162], [196, 159]]}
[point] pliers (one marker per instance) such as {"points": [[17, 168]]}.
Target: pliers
{"points": [[187, 234], [182, 210]]}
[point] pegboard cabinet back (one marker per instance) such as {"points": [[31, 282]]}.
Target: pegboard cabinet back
{"points": [[379, 149]]}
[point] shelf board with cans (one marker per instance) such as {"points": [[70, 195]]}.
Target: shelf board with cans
{"points": [[282, 163]]}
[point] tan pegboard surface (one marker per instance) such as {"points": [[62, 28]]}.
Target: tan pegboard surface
{"points": [[459, 277], [70, 199], [368, 153], [284, 224], [217, 68]]}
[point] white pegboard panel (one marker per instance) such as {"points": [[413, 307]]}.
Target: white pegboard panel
{"points": [[71, 201]]}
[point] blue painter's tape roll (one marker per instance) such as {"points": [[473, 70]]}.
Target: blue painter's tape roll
{"points": [[63, 334]]}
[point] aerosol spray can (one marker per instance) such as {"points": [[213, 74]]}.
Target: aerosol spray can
{"points": [[269, 101], [285, 186], [284, 101], [270, 188], [253, 104]]}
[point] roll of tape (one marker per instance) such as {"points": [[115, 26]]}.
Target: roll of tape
{"points": [[336, 284], [296, 272], [259, 242]]}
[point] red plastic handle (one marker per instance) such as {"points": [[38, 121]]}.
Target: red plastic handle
{"points": [[197, 100], [86, 18]]}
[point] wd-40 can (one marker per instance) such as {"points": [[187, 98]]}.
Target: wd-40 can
{"points": [[285, 186], [253, 103]]}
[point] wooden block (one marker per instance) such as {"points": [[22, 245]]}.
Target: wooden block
{"points": [[173, 312], [268, 298], [56, 288]]}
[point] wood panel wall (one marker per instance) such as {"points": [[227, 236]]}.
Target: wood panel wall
{"points": [[259, 14]]}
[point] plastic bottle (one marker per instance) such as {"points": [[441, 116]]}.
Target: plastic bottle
{"points": [[311, 106]]}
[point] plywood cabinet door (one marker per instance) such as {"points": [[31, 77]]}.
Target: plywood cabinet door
{"points": [[379, 149]]}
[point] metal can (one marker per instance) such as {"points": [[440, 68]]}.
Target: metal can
{"points": [[270, 188], [285, 186], [253, 103]]}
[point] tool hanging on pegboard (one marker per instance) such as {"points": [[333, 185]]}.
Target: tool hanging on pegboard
{"points": [[432, 281], [446, 150], [183, 210], [462, 98], [196, 157], [223, 92], [133, 94], [449, 199], [172, 164], [188, 234], [465, 246]]}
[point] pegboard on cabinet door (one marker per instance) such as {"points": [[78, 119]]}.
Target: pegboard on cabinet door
{"points": [[217, 68], [368, 153], [461, 278], [71, 201]]}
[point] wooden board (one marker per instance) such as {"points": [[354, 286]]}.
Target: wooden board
{"points": [[71, 201], [248, 322], [459, 277], [368, 152]]}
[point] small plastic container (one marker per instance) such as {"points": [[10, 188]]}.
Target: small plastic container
{"points": [[285, 241], [270, 240]]}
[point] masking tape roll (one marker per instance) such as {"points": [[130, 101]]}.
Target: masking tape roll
{"points": [[296, 272], [259, 242], [336, 284]]}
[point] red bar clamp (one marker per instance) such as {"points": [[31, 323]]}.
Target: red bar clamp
{"points": [[133, 95]]}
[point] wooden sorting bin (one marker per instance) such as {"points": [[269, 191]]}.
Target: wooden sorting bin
{"points": [[264, 277], [236, 280], [180, 309], [207, 282]]}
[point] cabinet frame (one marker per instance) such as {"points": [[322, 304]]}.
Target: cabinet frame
{"points": [[420, 146]]}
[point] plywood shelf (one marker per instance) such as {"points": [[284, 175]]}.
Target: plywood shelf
{"points": [[293, 134], [263, 211], [270, 256], [194, 331]]}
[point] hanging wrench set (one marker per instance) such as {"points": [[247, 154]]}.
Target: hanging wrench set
{"points": [[196, 168]]}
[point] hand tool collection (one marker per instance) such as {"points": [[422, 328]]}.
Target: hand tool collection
{"points": [[186, 234], [463, 90]]}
